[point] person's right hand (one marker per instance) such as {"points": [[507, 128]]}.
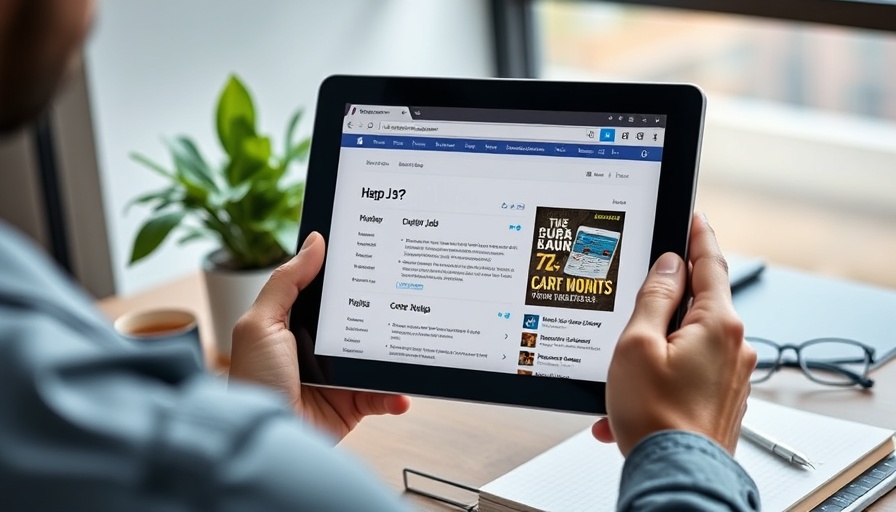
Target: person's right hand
{"points": [[695, 379]]}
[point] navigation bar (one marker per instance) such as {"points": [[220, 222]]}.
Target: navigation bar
{"points": [[502, 147]]}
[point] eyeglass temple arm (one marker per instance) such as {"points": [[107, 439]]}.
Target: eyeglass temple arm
{"points": [[860, 379]]}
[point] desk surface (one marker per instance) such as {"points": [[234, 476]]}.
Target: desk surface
{"points": [[474, 443]]}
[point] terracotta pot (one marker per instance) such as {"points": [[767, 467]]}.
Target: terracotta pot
{"points": [[230, 293]]}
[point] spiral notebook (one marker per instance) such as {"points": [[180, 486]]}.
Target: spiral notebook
{"points": [[582, 474]]}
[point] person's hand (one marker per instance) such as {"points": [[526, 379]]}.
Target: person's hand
{"points": [[264, 352], [697, 378]]}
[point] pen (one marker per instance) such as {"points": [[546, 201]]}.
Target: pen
{"points": [[742, 273], [785, 452]]}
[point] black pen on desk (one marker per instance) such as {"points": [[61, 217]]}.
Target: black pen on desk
{"points": [[775, 447], [743, 273]]}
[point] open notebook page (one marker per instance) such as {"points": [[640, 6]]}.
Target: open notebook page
{"points": [[582, 474], [831, 444]]}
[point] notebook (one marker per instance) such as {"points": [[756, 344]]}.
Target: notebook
{"points": [[582, 474], [817, 307]]}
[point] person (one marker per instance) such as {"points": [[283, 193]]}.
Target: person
{"points": [[89, 421]]}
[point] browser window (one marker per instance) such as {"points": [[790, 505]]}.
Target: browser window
{"points": [[494, 240]]}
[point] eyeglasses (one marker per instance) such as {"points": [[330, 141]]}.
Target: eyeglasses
{"points": [[830, 361]]}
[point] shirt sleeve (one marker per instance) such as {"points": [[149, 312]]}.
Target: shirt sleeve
{"points": [[683, 471], [89, 421]]}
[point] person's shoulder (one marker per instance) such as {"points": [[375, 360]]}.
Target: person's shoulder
{"points": [[31, 280]]}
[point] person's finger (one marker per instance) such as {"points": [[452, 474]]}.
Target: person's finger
{"points": [[369, 404], [709, 277], [659, 295], [281, 290], [398, 404], [601, 431]]}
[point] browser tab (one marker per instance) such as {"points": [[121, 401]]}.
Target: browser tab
{"points": [[379, 112]]}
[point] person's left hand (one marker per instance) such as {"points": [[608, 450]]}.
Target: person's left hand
{"points": [[264, 352]]}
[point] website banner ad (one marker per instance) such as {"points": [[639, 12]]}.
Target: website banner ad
{"points": [[575, 258]]}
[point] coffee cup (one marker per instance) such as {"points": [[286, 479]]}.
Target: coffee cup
{"points": [[161, 326]]}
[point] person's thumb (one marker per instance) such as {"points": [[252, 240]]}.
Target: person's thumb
{"points": [[282, 289], [660, 295], [373, 404], [602, 431]]}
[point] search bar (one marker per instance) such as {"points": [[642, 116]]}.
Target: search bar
{"points": [[492, 130]]}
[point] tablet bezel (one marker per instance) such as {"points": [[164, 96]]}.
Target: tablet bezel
{"points": [[684, 107]]}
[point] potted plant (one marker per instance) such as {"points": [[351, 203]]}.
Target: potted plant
{"points": [[248, 205]]}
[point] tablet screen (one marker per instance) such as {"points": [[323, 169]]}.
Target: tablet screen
{"points": [[506, 241]]}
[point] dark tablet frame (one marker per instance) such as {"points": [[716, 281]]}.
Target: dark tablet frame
{"points": [[682, 104]]}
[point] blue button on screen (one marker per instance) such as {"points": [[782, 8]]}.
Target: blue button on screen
{"points": [[607, 134]]}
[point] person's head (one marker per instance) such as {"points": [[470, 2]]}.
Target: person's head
{"points": [[39, 43]]}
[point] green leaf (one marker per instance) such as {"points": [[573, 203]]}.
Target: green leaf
{"points": [[153, 233], [258, 148], [235, 115], [137, 157], [291, 128], [288, 204], [298, 152], [253, 157], [194, 234], [241, 130], [287, 234], [240, 168], [295, 191], [263, 202], [231, 194], [214, 225], [189, 162], [156, 195], [195, 195], [165, 203], [291, 203]]}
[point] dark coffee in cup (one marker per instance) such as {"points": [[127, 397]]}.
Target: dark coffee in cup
{"points": [[161, 326], [157, 329]]}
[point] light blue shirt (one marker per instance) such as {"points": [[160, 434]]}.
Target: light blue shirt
{"points": [[684, 472], [89, 421]]}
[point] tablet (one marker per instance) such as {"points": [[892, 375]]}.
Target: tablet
{"points": [[486, 239]]}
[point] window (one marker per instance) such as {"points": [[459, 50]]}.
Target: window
{"points": [[828, 68], [801, 125]]}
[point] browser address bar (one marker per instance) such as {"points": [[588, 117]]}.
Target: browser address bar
{"points": [[491, 130]]}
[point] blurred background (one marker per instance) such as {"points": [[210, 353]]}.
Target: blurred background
{"points": [[798, 156]]}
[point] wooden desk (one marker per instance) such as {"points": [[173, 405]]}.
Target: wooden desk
{"points": [[474, 443]]}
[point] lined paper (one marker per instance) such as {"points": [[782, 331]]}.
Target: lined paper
{"points": [[831, 444]]}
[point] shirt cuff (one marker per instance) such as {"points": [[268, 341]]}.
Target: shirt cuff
{"points": [[677, 470]]}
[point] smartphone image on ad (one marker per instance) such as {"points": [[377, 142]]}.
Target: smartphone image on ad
{"points": [[592, 252]]}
